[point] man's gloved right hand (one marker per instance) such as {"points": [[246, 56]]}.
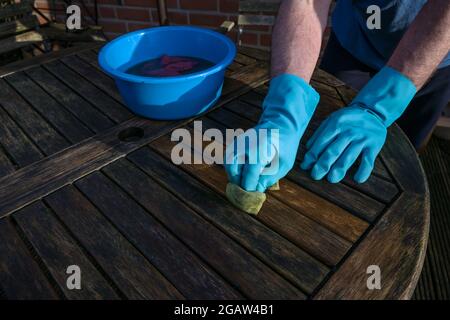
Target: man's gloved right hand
{"points": [[287, 110], [359, 130]]}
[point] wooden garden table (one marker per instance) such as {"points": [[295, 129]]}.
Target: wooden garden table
{"points": [[84, 182]]}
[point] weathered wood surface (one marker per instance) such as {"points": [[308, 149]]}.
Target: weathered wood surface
{"points": [[141, 227]]}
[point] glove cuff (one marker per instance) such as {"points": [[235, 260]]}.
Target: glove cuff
{"points": [[387, 95], [290, 98]]}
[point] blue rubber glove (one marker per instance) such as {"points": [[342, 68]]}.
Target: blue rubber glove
{"points": [[288, 107], [359, 129]]}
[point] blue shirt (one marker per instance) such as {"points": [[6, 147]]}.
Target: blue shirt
{"points": [[375, 47]]}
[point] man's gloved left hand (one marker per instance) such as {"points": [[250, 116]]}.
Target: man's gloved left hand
{"points": [[359, 129], [287, 110]]}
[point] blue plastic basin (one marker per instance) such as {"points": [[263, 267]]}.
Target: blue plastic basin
{"points": [[168, 98]]}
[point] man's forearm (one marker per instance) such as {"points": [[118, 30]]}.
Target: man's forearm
{"points": [[297, 36], [425, 44]]}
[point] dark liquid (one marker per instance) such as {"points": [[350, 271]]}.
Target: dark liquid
{"points": [[169, 66]]}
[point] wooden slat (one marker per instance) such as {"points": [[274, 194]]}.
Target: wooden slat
{"points": [[326, 78], [98, 78], [385, 246], [357, 203], [64, 121], [249, 275], [45, 136], [6, 167], [378, 186], [284, 257], [260, 55], [340, 194], [87, 90], [321, 210], [245, 75], [380, 169], [311, 205], [375, 187], [58, 250], [254, 98], [83, 110], [245, 60], [403, 230], [55, 171], [234, 67], [38, 60], [409, 178], [16, 143], [90, 57], [191, 276], [347, 94], [259, 5], [315, 239], [93, 153], [131, 272], [17, 26], [324, 89], [20, 275]]}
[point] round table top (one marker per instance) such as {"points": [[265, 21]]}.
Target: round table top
{"points": [[74, 191]]}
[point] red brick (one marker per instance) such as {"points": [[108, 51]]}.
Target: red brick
{"points": [[198, 4], [172, 4], [231, 6], [111, 35], [232, 35], [249, 38], [208, 20], [178, 17], [133, 14], [137, 26], [155, 15], [265, 40], [107, 2], [175, 17], [140, 3], [114, 27], [106, 12]]}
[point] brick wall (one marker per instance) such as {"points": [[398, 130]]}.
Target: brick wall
{"points": [[120, 16]]}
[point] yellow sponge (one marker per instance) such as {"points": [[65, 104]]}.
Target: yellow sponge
{"points": [[250, 202]]}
